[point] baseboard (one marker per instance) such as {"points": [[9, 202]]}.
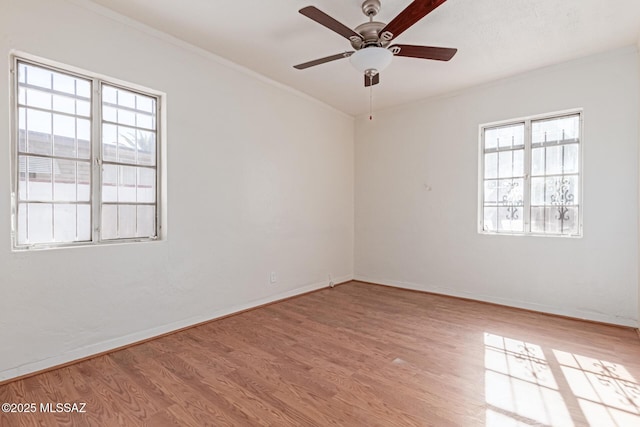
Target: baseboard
{"points": [[110, 346], [558, 311]]}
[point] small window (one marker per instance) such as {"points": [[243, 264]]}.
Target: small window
{"points": [[530, 176], [86, 159]]}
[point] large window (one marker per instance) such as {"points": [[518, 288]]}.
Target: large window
{"points": [[530, 176], [85, 159]]}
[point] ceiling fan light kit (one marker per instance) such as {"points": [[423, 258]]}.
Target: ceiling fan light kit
{"points": [[370, 40], [371, 60]]}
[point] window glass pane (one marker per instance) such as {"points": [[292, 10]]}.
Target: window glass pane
{"points": [[510, 136], [109, 142], [64, 104], [554, 160], [491, 165], [126, 221], [23, 178], [537, 161], [109, 114], [126, 99], [84, 138], [510, 191], [146, 142], [510, 219], [38, 99], [65, 185], [571, 153], [109, 227], [490, 219], [22, 73], [537, 191], [22, 130], [22, 96], [39, 222], [127, 177], [505, 164], [37, 76], [126, 117], [64, 83], [84, 181], [109, 183], [39, 132], [537, 219], [84, 223], [146, 185], [144, 121], [83, 88], [146, 221], [109, 95], [145, 103], [570, 221], [490, 138], [561, 190], [64, 223], [83, 108], [491, 192], [126, 145], [40, 183], [553, 224], [556, 130], [64, 136], [518, 163]]}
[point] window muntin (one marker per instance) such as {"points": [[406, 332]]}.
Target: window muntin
{"points": [[65, 171], [531, 176]]}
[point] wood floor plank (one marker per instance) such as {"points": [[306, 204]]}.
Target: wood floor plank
{"points": [[355, 355]]}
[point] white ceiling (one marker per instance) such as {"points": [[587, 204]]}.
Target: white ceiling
{"points": [[495, 38]]}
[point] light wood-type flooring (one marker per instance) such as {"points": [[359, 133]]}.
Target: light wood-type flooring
{"points": [[356, 355]]}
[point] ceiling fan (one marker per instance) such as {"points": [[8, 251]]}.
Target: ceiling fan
{"points": [[371, 40]]}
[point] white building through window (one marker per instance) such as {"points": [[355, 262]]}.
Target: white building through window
{"points": [[530, 176], [85, 159]]}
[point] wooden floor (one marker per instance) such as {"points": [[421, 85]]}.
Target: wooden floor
{"points": [[356, 355]]}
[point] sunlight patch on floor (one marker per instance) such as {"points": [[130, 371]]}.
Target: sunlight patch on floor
{"points": [[521, 390], [519, 386], [607, 393]]}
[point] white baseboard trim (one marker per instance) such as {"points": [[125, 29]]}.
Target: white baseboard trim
{"points": [[574, 313], [127, 340]]}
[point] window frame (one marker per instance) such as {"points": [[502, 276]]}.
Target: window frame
{"points": [[527, 121], [96, 155]]}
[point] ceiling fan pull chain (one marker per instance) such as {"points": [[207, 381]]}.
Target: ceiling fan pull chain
{"points": [[371, 98]]}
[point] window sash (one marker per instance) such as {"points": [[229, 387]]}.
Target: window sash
{"points": [[567, 204], [94, 161]]}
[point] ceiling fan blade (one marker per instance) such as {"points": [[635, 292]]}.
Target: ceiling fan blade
{"points": [[370, 81], [323, 60], [424, 52], [323, 19], [412, 14]]}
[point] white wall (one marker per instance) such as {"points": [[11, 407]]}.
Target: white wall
{"points": [[276, 194], [415, 238]]}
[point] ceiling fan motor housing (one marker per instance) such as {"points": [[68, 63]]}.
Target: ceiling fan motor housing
{"points": [[369, 32]]}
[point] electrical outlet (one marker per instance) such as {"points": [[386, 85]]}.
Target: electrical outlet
{"points": [[273, 278]]}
